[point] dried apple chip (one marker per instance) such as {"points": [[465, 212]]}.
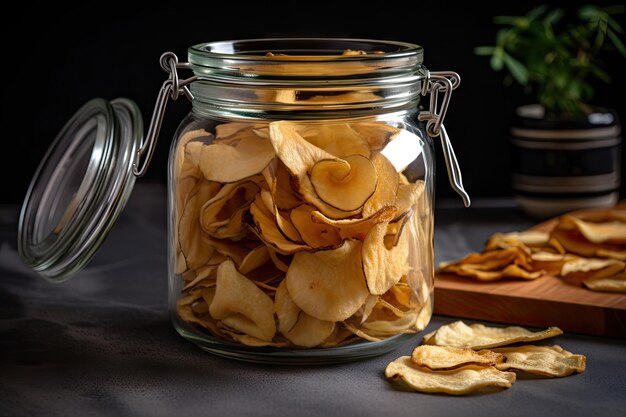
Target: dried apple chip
{"points": [[224, 163], [206, 275], [368, 306], [280, 261], [345, 184], [279, 179], [549, 262], [449, 357], [593, 268], [474, 271], [605, 232], [299, 156], [355, 228], [329, 284], [256, 258], [246, 339], [240, 304], [283, 221], [196, 249], [382, 329], [487, 261], [185, 160], [456, 381], [268, 232], [574, 242], [478, 336], [409, 195], [360, 333], [297, 326], [377, 134], [384, 266], [526, 238], [514, 271], [609, 253], [187, 309], [338, 139], [222, 216], [553, 361], [426, 312], [316, 235], [386, 186], [294, 151], [614, 283], [340, 336], [191, 163], [236, 251]]}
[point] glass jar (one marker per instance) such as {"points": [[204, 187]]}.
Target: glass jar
{"points": [[300, 197], [301, 200]]}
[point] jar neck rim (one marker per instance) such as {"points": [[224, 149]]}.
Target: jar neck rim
{"points": [[303, 59]]}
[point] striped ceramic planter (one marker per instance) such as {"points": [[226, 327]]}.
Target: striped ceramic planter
{"points": [[560, 165]]}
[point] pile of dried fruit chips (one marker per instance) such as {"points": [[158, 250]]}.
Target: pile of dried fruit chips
{"points": [[589, 252], [301, 234], [458, 359]]}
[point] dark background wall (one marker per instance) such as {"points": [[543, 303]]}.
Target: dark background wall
{"points": [[112, 50]]}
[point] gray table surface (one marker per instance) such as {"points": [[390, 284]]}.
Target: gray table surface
{"points": [[102, 344]]}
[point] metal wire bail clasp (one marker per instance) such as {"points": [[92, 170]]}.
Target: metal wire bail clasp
{"points": [[436, 83], [171, 87]]}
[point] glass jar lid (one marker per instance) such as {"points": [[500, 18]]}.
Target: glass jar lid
{"points": [[80, 188]]}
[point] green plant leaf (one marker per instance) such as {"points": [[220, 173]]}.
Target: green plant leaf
{"points": [[600, 73], [617, 42], [614, 25], [484, 50], [517, 69], [504, 36], [615, 9], [536, 12], [589, 12], [553, 55], [496, 62], [553, 17], [508, 20]]}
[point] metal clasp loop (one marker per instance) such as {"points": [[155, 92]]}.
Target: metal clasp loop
{"points": [[171, 88], [436, 83]]}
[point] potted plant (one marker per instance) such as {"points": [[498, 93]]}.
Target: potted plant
{"points": [[565, 152]]}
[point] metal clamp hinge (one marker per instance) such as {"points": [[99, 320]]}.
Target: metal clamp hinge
{"points": [[436, 83], [171, 88]]}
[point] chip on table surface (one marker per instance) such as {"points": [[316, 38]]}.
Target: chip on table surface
{"points": [[480, 336], [541, 360], [449, 357], [441, 368], [458, 381]]}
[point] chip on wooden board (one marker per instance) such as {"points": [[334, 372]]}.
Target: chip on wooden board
{"points": [[582, 248], [615, 283], [455, 382]]}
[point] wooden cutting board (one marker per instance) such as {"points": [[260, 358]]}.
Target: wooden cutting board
{"points": [[546, 301]]}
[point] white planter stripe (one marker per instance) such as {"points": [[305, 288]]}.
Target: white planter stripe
{"points": [[599, 133], [546, 207], [566, 184], [591, 144]]}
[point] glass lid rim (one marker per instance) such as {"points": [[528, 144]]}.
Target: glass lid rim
{"points": [[67, 249], [405, 50]]}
